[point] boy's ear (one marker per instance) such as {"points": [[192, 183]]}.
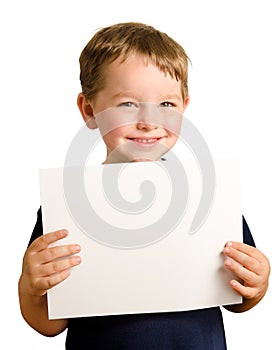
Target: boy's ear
{"points": [[86, 110], [186, 102]]}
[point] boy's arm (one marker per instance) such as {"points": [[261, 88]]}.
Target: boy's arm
{"points": [[42, 269], [34, 310], [252, 267]]}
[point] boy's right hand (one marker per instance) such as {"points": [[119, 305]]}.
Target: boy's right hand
{"points": [[44, 266]]}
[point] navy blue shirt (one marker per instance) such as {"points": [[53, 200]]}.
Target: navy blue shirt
{"points": [[189, 330]]}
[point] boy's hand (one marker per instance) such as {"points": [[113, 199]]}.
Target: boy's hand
{"points": [[45, 267], [252, 267]]}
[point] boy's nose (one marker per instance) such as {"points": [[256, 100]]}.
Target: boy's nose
{"points": [[149, 117], [146, 126]]}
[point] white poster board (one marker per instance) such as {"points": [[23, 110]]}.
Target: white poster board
{"points": [[178, 271]]}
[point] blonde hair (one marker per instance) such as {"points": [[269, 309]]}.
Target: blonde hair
{"points": [[120, 41]]}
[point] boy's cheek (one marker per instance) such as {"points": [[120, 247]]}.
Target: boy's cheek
{"points": [[109, 126], [119, 119], [113, 139], [173, 127]]}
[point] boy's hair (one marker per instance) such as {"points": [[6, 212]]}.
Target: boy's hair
{"points": [[120, 41]]}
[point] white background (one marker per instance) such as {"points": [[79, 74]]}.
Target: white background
{"points": [[234, 88]]}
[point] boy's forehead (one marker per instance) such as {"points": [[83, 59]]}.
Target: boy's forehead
{"points": [[135, 74], [133, 57], [134, 62], [134, 95]]}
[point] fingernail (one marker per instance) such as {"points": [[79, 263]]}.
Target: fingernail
{"points": [[227, 263], [77, 260], [77, 248], [229, 244], [227, 250], [66, 273], [63, 233]]}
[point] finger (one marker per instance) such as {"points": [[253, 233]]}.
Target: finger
{"points": [[45, 240], [53, 253], [242, 259], [245, 292], [248, 277], [246, 249], [58, 266], [45, 283]]}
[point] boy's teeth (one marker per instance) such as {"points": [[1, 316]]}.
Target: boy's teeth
{"points": [[145, 140]]}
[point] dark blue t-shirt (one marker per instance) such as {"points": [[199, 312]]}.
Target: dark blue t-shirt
{"points": [[189, 330]]}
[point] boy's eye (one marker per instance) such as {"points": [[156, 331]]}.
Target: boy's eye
{"points": [[167, 104], [127, 104]]}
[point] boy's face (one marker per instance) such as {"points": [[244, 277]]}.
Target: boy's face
{"points": [[134, 88]]}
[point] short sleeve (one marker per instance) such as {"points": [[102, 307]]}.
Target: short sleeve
{"points": [[38, 228], [247, 236]]}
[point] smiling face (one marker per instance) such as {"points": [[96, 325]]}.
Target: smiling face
{"points": [[142, 95]]}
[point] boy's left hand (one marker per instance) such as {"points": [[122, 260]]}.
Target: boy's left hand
{"points": [[251, 266]]}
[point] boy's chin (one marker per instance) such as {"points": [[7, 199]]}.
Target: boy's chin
{"points": [[133, 157], [137, 160], [143, 160]]}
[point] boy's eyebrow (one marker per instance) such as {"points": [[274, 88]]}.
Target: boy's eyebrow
{"points": [[133, 95], [125, 94], [171, 97]]}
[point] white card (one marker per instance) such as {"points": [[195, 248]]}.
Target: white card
{"points": [[134, 258]]}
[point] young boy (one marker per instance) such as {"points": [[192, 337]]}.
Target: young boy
{"points": [[124, 65]]}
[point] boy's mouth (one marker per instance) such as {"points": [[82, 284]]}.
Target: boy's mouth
{"points": [[146, 140]]}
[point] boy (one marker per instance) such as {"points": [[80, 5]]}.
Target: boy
{"points": [[122, 66]]}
